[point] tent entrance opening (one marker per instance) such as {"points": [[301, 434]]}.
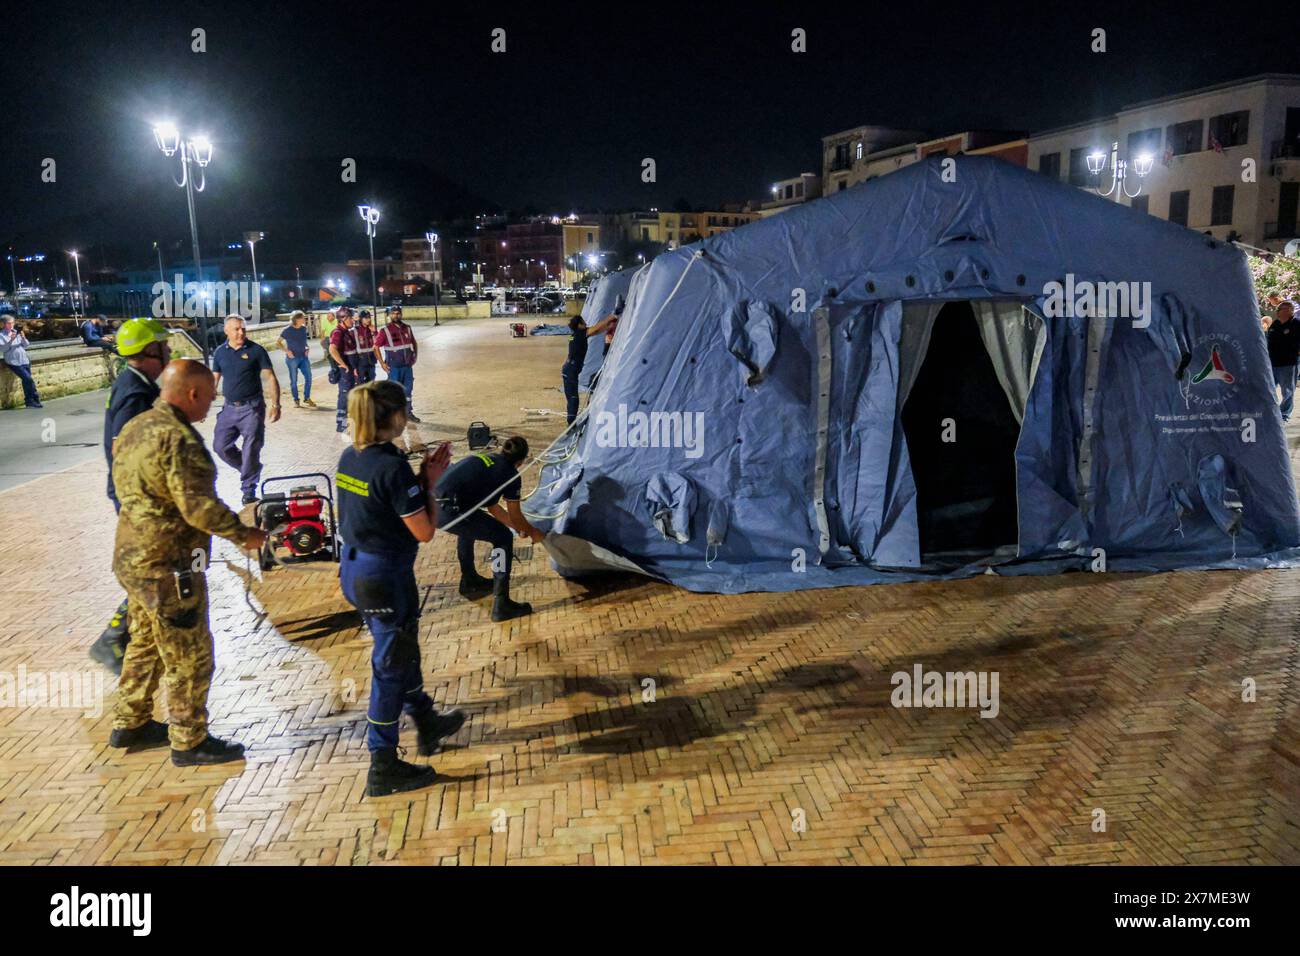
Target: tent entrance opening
{"points": [[961, 437]]}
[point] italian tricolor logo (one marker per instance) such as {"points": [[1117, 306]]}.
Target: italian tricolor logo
{"points": [[1213, 370]]}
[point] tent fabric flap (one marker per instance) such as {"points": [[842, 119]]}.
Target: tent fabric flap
{"points": [[751, 337]]}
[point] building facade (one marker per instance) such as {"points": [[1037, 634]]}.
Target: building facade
{"points": [[1225, 159], [850, 158], [537, 251], [845, 154], [419, 262], [788, 193]]}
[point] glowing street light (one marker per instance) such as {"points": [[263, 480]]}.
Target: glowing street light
{"points": [[1098, 162], [252, 238], [370, 216], [193, 152], [76, 259]]}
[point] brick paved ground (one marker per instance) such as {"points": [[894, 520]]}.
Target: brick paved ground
{"points": [[1119, 693]]}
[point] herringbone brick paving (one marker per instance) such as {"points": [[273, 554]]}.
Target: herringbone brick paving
{"points": [[1119, 693]]}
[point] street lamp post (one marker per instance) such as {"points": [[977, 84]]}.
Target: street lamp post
{"points": [[1098, 162], [432, 239], [194, 152], [253, 238], [370, 216], [76, 260], [161, 278], [13, 278]]}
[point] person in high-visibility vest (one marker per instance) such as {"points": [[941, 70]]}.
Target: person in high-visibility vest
{"points": [[396, 349], [343, 352]]}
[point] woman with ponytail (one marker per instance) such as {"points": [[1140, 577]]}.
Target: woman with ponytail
{"points": [[385, 512]]}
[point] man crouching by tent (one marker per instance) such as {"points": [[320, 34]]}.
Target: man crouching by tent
{"points": [[468, 495]]}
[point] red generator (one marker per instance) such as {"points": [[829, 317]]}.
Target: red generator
{"points": [[299, 523], [518, 330]]}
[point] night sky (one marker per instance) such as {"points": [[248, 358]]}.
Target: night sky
{"points": [[560, 121]]}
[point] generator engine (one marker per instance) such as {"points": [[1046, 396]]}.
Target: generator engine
{"points": [[299, 522], [300, 512]]}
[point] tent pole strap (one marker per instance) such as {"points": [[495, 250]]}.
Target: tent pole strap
{"points": [[822, 325]]}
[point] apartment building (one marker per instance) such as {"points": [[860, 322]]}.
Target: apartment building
{"points": [[788, 193], [682, 228], [674, 229], [1197, 144], [536, 251], [854, 156], [421, 263], [846, 154]]}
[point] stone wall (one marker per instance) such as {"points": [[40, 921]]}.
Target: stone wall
{"points": [[77, 369], [71, 371]]}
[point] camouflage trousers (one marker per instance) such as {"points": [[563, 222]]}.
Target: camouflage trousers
{"points": [[170, 644]]}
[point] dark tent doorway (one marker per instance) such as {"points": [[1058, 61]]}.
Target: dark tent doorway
{"points": [[961, 437]]}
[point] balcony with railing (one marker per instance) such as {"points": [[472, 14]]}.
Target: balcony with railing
{"points": [[1282, 150]]}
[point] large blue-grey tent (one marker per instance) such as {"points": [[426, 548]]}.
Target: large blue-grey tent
{"points": [[959, 367], [605, 295]]}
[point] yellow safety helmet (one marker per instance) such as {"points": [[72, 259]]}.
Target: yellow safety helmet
{"points": [[138, 334]]}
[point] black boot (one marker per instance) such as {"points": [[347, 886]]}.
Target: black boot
{"points": [[474, 585], [110, 648], [212, 750], [109, 651], [389, 775], [432, 727], [147, 736], [504, 609]]}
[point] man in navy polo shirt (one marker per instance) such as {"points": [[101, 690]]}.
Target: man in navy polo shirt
{"points": [[243, 371]]}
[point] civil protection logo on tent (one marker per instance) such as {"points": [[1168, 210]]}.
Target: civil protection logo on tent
{"points": [[1217, 366]]}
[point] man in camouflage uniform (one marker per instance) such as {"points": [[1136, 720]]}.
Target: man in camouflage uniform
{"points": [[166, 482]]}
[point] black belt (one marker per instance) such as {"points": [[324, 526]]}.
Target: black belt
{"points": [[251, 401]]}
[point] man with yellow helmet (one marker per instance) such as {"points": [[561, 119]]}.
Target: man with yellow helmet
{"points": [[143, 343]]}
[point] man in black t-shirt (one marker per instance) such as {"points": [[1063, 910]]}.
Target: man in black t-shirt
{"points": [[243, 372], [468, 494], [577, 356], [1283, 351]]}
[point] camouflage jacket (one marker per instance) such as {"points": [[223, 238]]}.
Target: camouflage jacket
{"points": [[166, 481]]}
